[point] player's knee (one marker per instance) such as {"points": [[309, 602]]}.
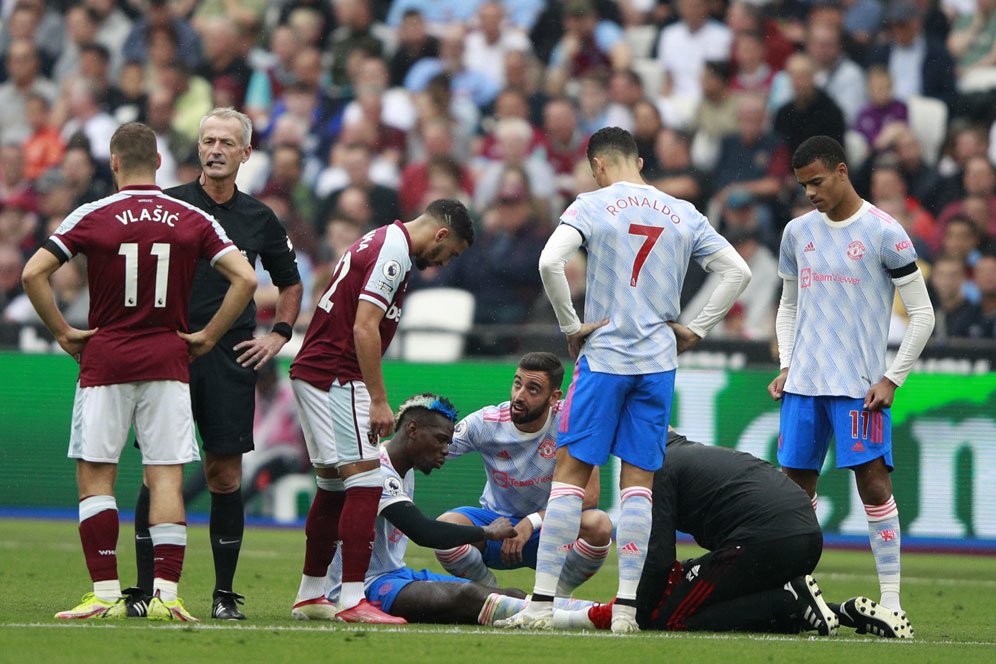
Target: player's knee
{"points": [[596, 527], [454, 517], [223, 473]]}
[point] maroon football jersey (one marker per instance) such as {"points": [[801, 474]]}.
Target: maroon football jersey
{"points": [[142, 249], [375, 269]]}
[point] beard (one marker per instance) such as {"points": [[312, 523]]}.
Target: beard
{"points": [[530, 415]]}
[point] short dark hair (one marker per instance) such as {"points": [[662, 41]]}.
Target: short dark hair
{"points": [[548, 363], [99, 50], [612, 140], [135, 145], [819, 148], [455, 216], [720, 69]]}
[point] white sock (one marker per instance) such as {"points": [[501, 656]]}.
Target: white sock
{"points": [[560, 529], [351, 594], [583, 561], [109, 591], [632, 537], [166, 590], [467, 562], [498, 607], [311, 587], [884, 535]]}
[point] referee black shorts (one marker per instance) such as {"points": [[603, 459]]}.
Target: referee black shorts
{"points": [[223, 397]]}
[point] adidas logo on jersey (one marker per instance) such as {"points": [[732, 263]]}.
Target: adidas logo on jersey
{"points": [[629, 549], [810, 247]]}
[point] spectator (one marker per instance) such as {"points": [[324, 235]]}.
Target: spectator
{"points": [[80, 175], [918, 63], [836, 74], [113, 27], [313, 20], [438, 13], [19, 225], [962, 241], [381, 201], [272, 76], [883, 108], [14, 183], [485, 47], [716, 115], [647, 125], [414, 43], [684, 47], [192, 97], [81, 29], [71, 297], [966, 141], [979, 181], [588, 46], [499, 268], [514, 137], [566, 142], [911, 218], [398, 108], [972, 41], [954, 315], [86, 117], [676, 175], [157, 13], [357, 31], [44, 147], [594, 109], [522, 74], [40, 22], [811, 110], [437, 143], [985, 279], [224, 65], [862, 21], [511, 103], [174, 147], [465, 83], [23, 80], [128, 101], [752, 72], [340, 234], [747, 16], [753, 159], [287, 179], [11, 266]]}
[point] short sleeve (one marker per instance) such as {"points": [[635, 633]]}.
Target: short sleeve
{"points": [[387, 274], [897, 249], [393, 490], [464, 435], [707, 241], [277, 255], [787, 266], [73, 235], [576, 216], [214, 240]]}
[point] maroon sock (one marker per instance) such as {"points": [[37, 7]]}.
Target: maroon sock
{"points": [[169, 542], [356, 529], [321, 531], [99, 535]]}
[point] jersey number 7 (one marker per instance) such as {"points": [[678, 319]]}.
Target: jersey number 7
{"points": [[652, 234]]}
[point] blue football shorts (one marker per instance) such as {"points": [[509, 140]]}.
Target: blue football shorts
{"points": [[807, 423]]}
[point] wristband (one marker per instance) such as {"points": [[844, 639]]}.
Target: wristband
{"points": [[284, 330], [536, 520]]}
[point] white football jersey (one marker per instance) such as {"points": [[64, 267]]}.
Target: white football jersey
{"points": [[390, 543], [845, 298], [639, 241], [519, 466]]}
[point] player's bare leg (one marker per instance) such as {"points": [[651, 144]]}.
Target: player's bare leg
{"points": [[321, 531], [168, 530], [223, 473], [806, 479], [560, 529], [98, 512], [447, 602], [875, 488], [466, 561]]}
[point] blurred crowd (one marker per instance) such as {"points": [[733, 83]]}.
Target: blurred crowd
{"points": [[365, 110]]}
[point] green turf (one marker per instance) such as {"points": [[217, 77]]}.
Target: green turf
{"points": [[949, 598]]}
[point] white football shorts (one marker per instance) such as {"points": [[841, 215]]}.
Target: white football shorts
{"points": [[159, 410], [336, 423]]}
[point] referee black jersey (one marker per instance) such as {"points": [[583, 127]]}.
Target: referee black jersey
{"points": [[256, 231]]}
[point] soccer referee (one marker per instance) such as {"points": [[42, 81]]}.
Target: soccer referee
{"points": [[222, 382]]}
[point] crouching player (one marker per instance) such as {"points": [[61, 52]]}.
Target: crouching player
{"points": [[517, 442], [763, 540]]}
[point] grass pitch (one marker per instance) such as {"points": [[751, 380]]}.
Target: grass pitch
{"points": [[950, 600]]}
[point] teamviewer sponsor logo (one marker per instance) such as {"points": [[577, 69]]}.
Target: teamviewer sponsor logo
{"points": [[806, 277]]}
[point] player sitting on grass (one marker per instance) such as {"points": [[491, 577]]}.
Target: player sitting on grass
{"points": [[517, 442], [764, 542]]}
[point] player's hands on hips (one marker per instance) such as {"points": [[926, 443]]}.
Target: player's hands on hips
{"points": [[684, 338], [73, 341], [776, 388], [260, 350], [198, 343], [511, 548], [576, 340], [499, 529], [880, 395], [381, 421]]}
